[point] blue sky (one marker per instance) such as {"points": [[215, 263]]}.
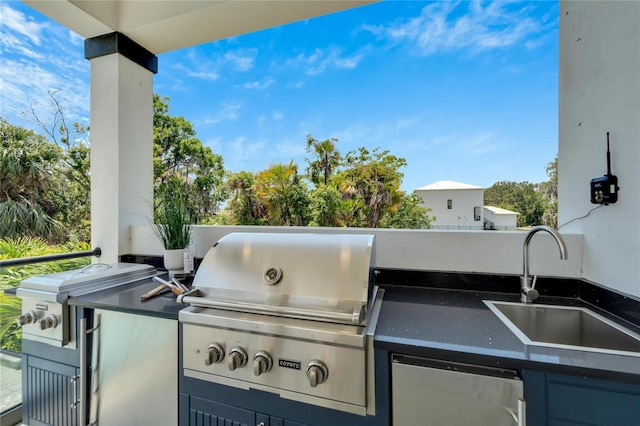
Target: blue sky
{"points": [[465, 91]]}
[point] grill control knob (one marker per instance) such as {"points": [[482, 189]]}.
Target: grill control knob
{"points": [[237, 358], [50, 321], [317, 373], [29, 317], [215, 354], [262, 362]]}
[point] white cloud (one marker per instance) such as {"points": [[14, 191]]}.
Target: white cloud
{"points": [[445, 26], [27, 85], [295, 85], [239, 152], [201, 70], [76, 39], [200, 63], [214, 143], [11, 43], [481, 144], [474, 145], [322, 59], [241, 59], [228, 112], [202, 74], [258, 85], [289, 149], [354, 134], [19, 23], [38, 60]]}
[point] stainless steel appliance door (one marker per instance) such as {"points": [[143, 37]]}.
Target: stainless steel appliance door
{"points": [[135, 378], [423, 395]]}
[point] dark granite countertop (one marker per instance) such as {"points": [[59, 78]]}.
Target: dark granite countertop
{"points": [[456, 325], [126, 298], [443, 324]]}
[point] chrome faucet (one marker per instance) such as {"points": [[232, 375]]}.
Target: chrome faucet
{"points": [[528, 293]]}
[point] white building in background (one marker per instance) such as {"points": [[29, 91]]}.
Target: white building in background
{"points": [[455, 205], [499, 218]]}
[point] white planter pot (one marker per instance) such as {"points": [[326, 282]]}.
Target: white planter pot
{"points": [[174, 259]]}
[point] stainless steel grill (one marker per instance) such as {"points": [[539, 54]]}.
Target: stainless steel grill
{"points": [[46, 316], [284, 313]]}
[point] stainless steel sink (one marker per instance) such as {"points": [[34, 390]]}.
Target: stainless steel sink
{"points": [[566, 327]]}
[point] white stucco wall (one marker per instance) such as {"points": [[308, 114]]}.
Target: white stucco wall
{"points": [[599, 92], [501, 221], [461, 215], [433, 250]]}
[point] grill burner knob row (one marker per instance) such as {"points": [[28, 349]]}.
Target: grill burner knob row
{"points": [[50, 321], [215, 354], [262, 362], [317, 373], [29, 317], [237, 358]]}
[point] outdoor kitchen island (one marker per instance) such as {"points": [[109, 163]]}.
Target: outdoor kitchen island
{"points": [[425, 323], [427, 327], [133, 355]]}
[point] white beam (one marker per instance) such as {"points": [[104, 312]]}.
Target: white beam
{"points": [[162, 26]]}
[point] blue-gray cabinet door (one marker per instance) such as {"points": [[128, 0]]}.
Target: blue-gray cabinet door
{"points": [[48, 392]]}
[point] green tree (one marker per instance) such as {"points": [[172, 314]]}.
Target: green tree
{"points": [[27, 165], [326, 159], [73, 140], [182, 163], [244, 207], [72, 190], [325, 205], [372, 180], [283, 194], [522, 197], [549, 192], [409, 214]]}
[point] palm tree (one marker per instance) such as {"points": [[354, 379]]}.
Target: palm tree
{"points": [[327, 158], [27, 162], [283, 194], [372, 180], [245, 206]]}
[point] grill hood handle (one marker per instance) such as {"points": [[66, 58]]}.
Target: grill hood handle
{"points": [[193, 292], [355, 316]]}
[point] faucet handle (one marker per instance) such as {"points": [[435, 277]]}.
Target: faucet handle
{"points": [[529, 294], [533, 284]]}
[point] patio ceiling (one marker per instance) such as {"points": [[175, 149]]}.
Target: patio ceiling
{"points": [[162, 26]]}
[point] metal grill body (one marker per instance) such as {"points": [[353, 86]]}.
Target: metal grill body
{"points": [[283, 313]]}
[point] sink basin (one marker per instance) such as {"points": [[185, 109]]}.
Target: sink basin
{"points": [[566, 327]]}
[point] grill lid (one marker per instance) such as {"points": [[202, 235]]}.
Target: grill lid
{"points": [[311, 276], [97, 276]]}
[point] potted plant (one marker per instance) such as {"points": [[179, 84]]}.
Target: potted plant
{"points": [[173, 228]]}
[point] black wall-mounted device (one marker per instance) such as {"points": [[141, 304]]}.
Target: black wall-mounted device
{"points": [[604, 190]]}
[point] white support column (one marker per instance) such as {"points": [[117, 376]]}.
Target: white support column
{"points": [[121, 152]]}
